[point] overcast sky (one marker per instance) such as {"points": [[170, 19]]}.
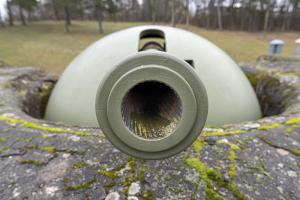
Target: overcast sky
{"points": [[2, 9]]}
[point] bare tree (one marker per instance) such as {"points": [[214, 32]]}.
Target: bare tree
{"points": [[67, 19], [219, 13], [80, 9], [250, 15], [27, 5], [285, 10], [112, 7], [250, 18], [99, 7], [295, 4], [177, 7], [65, 4], [21, 4], [9, 11], [266, 18], [187, 13], [173, 10], [231, 10], [243, 16], [21, 13], [149, 10], [55, 9], [209, 12], [153, 4]]}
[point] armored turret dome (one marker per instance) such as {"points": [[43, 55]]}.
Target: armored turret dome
{"points": [[152, 83]]}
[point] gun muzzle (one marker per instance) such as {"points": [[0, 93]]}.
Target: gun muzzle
{"points": [[152, 105]]}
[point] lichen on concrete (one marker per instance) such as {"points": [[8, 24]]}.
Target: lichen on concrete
{"points": [[250, 160]]}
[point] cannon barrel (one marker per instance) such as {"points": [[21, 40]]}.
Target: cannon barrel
{"points": [[152, 89], [152, 105]]}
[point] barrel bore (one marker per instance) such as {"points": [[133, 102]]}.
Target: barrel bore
{"points": [[151, 110]]}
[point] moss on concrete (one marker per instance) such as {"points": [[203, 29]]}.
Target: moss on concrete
{"points": [[45, 136], [134, 175], [221, 178], [232, 172], [32, 162], [222, 133], [296, 152], [79, 165], [268, 127], [48, 129], [198, 145], [3, 140], [232, 157], [291, 128], [205, 174], [112, 174], [292, 125], [3, 150], [82, 186], [22, 93], [210, 176], [48, 149], [138, 175], [148, 195], [293, 121], [131, 163]]}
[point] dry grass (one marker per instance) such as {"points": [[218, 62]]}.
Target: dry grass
{"points": [[45, 44], [245, 46]]}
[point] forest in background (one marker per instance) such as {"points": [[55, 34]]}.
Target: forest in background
{"points": [[245, 15]]}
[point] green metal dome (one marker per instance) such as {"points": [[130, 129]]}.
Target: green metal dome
{"points": [[152, 89]]}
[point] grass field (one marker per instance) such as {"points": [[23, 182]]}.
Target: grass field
{"points": [[45, 44]]}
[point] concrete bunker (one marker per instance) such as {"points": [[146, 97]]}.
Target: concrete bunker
{"points": [[34, 95], [244, 140], [176, 117]]}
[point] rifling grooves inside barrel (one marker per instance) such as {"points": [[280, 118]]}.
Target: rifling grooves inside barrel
{"points": [[151, 110]]}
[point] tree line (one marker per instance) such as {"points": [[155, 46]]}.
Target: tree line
{"points": [[246, 15]]}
